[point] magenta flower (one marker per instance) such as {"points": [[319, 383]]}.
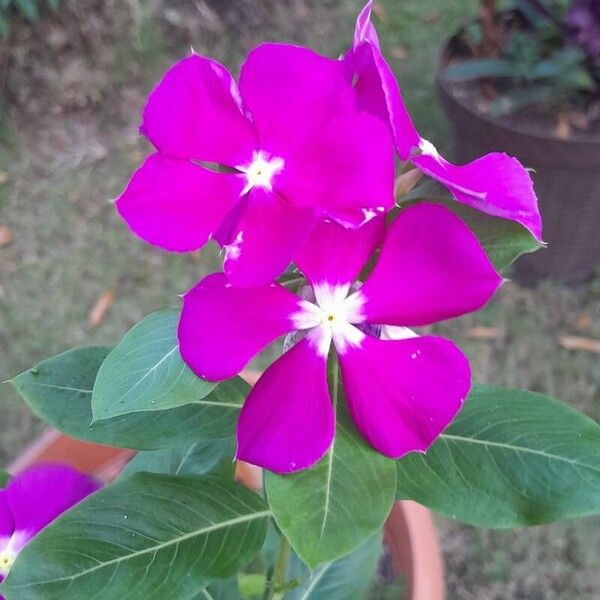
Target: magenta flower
{"points": [[33, 499], [496, 183], [400, 392], [256, 167]]}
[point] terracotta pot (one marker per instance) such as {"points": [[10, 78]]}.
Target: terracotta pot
{"points": [[567, 182], [409, 531]]}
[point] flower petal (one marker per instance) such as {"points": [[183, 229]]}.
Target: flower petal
{"points": [[267, 237], [496, 184], [365, 30], [41, 493], [175, 204], [195, 112], [348, 167], [287, 421], [7, 524], [379, 94], [291, 93], [222, 327], [336, 255], [402, 394], [431, 268]]}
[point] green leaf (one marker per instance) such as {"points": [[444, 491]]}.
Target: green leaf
{"points": [[59, 390], [510, 458], [503, 240], [53, 4], [344, 579], [145, 371], [165, 535], [4, 477], [478, 68], [199, 458], [28, 8], [330, 509], [221, 589]]}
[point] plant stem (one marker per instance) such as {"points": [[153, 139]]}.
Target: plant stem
{"points": [[276, 588]]}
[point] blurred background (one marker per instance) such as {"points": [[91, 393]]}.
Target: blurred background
{"points": [[74, 75]]}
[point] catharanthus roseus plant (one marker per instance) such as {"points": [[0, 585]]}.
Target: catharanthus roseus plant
{"points": [[342, 255]]}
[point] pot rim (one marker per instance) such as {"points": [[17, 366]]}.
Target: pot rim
{"points": [[445, 86]]}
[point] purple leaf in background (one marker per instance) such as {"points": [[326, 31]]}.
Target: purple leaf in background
{"points": [[583, 21]]}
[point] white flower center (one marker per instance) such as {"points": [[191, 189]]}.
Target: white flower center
{"points": [[260, 171], [332, 317], [426, 147]]}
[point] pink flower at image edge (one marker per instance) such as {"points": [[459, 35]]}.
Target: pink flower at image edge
{"points": [[401, 393], [31, 500]]}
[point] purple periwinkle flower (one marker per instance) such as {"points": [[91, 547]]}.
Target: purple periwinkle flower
{"points": [[33, 499], [583, 21], [402, 392], [496, 183], [257, 165]]}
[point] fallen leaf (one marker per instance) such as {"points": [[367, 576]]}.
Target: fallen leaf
{"points": [[399, 52], [432, 16], [584, 322], [380, 11], [479, 332], [3, 177], [583, 344], [98, 312], [563, 127], [5, 235]]}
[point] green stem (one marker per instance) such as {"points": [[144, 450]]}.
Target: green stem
{"points": [[278, 580]]}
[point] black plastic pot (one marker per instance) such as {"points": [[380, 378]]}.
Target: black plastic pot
{"points": [[567, 182]]}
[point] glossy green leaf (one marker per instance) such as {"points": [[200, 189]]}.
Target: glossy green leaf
{"points": [[344, 579], [221, 589], [510, 458], [503, 240], [145, 371], [148, 536], [59, 390], [330, 509], [199, 458]]}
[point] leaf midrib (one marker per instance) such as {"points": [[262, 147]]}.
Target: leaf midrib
{"points": [[514, 448], [146, 374], [155, 548]]}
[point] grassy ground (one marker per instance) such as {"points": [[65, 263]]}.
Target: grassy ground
{"points": [[70, 149]]}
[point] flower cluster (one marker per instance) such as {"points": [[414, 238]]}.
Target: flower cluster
{"points": [[294, 164], [32, 500]]}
